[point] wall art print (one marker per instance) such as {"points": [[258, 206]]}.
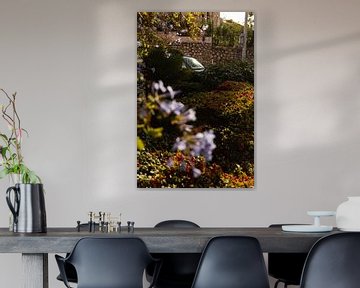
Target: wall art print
{"points": [[195, 99]]}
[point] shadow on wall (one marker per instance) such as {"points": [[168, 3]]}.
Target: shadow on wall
{"points": [[310, 47], [308, 99]]}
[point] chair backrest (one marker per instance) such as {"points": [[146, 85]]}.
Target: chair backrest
{"points": [[232, 262], [333, 262], [178, 269], [176, 224], [110, 262]]}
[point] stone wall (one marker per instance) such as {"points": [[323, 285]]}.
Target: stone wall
{"points": [[208, 54]]}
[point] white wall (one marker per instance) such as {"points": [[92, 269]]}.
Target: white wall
{"points": [[73, 66]]}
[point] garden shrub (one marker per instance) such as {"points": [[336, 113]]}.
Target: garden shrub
{"points": [[231, 115], [229, 112], [233, 86], [189, 86], [154, 171], [165, 65], [216, 74]]}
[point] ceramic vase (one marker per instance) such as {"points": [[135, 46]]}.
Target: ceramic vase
{"points": [[348, 214], [27, 204]]}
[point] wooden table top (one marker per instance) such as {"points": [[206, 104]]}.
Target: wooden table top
{"points": [[158, 240]]}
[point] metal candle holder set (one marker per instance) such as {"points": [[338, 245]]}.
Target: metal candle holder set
{"points": [[104, 222]]}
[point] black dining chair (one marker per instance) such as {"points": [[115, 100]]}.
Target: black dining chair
{"points": [[333, 262], [69, 269], [286, 267], [232, 262], [178, 269], [108, 263]]}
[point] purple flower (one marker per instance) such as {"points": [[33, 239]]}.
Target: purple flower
{"points": [[165, 106], [199, 144], [208, 144], [171, 92], [204, 144], [171, 107], [179, 144], [158, 88], [177, 107], [190, 115]]}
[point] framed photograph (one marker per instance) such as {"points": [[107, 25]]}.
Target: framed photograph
{"points": [[195, 99]]}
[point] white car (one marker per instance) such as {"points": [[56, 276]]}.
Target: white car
{"points": [[192, 64]]}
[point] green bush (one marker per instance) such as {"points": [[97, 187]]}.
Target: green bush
{"points": [[165, 65], [231, 115], [189, 87], [155, 172], [229, 111], [216, 74]]}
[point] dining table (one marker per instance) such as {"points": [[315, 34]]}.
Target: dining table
{"points": [[35, 247]]}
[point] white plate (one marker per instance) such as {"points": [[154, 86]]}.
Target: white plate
{"points": [[306, 228], [321, 213]]}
